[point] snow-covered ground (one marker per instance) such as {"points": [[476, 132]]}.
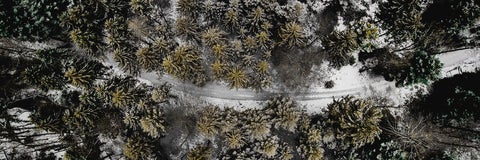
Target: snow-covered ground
{"points": [[39, 138]]}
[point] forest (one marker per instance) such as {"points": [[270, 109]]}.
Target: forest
{"points": [[230, 79]]}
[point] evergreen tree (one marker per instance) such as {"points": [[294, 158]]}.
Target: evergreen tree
{"points": [[31, 19], [190, 7], [284, 113], [268, 147], [218, 69], [81, 117], [49, 117], [138, 148], [292, 34], [185, 63], [213, 36], [310, 140], [452, 16], [47, 73], [354, 122], [187, 27], [127, 60], [339, 46], [401, 18], [423, 68], [235, 139], [200, 153], [83, 72], [152, 123], [85, 23], [237, 78], [149, 59]]}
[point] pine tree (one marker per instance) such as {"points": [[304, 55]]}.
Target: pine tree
{"points": [[207, 126], [292, 35], [131, 118], [257, 125], [450, 18], [423, 68], [186, 64], [187, 27], [339, 46], [401, 18], [367, 33], [49, 118], [127, 61], [140, 6], [263, 39], [268, 148], [81, 117], [354, 122], [257, 16], [234, 139], [46, 72], [250, 43], [161, 94], [310, 140], [219, 50], [153, 124], [149, 59], [85, 39], [237, 78], [218, 69], [43, 76], [83, 72], [263, 67], [169, 65], [285, 152], [284, 112], [117, 32], [122, 98], [77, 78], [138, 148], [232, 18], [213, 36], [200, 153], [189, 7]]}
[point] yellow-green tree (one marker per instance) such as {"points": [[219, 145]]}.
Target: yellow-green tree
{"points": [[149, 59], [218, 69], [138, 148], [237, 77], [187, 27], [354, 122], [200, 152], [292, 35], [213, 36], [185, 63]]}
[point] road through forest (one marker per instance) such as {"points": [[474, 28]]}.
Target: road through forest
{"points": [[454, 63]]}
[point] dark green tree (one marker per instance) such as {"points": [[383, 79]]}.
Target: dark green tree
{"points": [[31, 19], [422, 68], [452, 15], [339, 46], [85, 23], [83, 72], [140, 147], [353, 122], [401, 18], [46, 73], [454, 101]]}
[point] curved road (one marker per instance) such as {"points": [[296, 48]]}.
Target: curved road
{"points": [[454, 62]]}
